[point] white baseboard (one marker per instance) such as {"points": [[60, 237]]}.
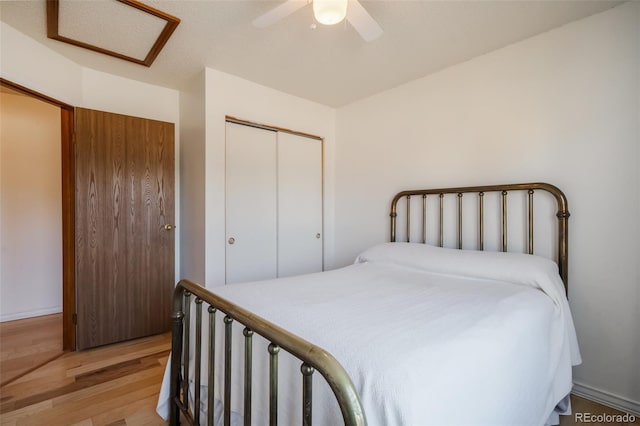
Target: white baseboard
{"points": [[606, 398], [30, 314]]}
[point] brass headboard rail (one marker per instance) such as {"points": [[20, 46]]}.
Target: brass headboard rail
{"points": [[311, 356], [562, 215]]}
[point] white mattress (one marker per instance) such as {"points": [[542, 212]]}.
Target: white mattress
{"points": [[429, 336]]}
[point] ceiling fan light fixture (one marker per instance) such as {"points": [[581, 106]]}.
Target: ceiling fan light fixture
{"points": [[329, 12]]}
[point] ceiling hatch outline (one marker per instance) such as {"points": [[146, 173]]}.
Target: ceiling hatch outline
{"points": [[53, 31]]}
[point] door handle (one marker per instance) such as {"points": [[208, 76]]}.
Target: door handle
{"points": [[318, 235], [169, 227], [232, 240]]}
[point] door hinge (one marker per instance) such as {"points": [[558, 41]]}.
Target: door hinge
{"points": [[74, 318]]}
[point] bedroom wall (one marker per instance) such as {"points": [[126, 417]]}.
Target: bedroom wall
{"points": [[51, 74], [111, 93], [560, 107], [192, 179], [30, 208], [230, 95], [42, 69]]}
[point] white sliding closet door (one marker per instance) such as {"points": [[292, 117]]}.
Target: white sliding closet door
{"points": [[299, 205], [251, 204]]}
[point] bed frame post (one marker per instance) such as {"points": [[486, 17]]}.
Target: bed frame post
{"points": [[563, 242], [563, 232], [393, 215], [176, 355]]}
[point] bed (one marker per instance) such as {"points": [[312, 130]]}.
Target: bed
{"points": [[413, 333]]}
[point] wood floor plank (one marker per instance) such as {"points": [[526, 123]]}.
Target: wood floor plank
{"points": [[86, 406], [67, 390], [581, 405], [86, 422], [146, 416], [141, 412], [104, 388], [89, 380], [27, 344], [112, 385], [122, 358], [14, 392], [82, 405], [12, 417]]}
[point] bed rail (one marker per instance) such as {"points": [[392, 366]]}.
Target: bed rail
{"points": [[312, 357], [562, 216]]}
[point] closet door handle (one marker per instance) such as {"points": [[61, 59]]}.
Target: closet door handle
{"points": [[168, 227], [232, 240], [318, 235]]}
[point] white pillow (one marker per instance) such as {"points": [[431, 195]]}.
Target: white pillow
{"points": [[517, 268]]}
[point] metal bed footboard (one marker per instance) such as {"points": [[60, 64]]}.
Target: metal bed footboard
{"points": [[313, 358]]}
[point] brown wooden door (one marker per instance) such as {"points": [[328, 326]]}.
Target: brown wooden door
{"points": [[124, 253]]}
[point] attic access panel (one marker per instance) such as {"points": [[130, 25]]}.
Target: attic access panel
{"points": [[125, 29]]}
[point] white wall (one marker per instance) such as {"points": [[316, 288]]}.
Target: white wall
{"points": [[107, 92], [192, 179], [230, 95], [31, 64], [560, 107], [30, 208]]}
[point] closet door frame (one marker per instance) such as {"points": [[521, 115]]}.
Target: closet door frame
{"points": [[236, 120]]}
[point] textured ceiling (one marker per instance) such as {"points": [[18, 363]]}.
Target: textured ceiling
{"points": [[329, 65], [110, 25]]}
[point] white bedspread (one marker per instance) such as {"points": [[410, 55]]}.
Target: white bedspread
{"points": [[429, 336]]}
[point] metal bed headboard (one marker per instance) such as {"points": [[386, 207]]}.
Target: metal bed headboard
{"points": [[562, 215]]}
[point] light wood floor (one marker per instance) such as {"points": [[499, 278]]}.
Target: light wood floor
{"points": [[581, 405], [27, 344], [112, 385]]}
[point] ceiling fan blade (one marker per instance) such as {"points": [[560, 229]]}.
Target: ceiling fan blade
{"points": [[279, 12], [364, 24]]}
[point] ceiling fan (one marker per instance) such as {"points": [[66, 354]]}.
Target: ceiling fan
{"points": [[327, 12]]}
